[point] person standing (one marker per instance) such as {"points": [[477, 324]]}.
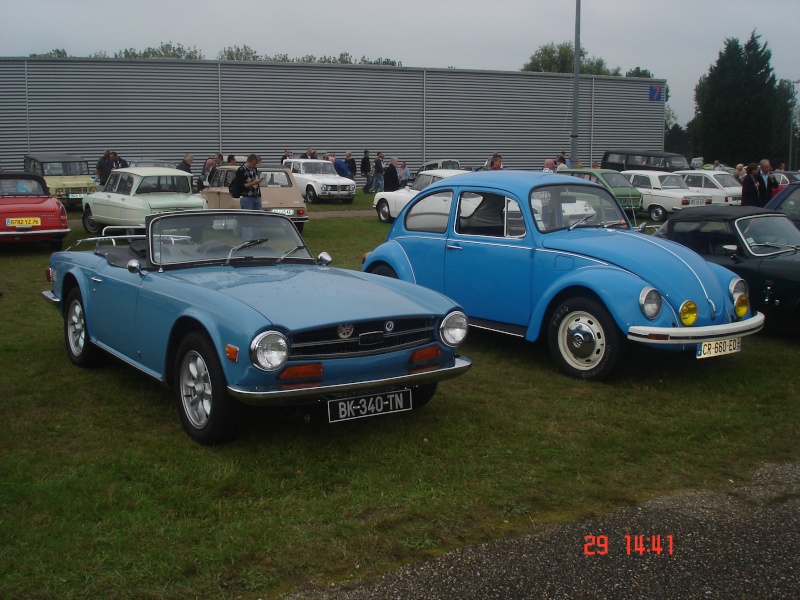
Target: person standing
{"points": [[186, 163], [366, 171], [308, 153], [496, 163], [750, 196], [103, 167], [340, 166], [117, 162], [549, 166], [378, 171], [391, 177], [351, 164], [766, 180], [286, 154], [404, 174], [248, 180]]}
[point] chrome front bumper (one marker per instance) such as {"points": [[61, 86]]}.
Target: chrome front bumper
{"points": [[302, 395], [677, 336]]}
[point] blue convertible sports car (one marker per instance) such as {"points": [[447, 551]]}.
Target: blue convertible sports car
{"points": [[230, 306], [541, 254]]}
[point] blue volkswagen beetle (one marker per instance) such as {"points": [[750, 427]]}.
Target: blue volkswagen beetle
{"points": [[541, 254], [230, 306]]}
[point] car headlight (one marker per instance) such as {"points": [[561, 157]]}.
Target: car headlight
{"points": [[269, 350], [453, 329], [740, 294], [325, 188], [650, 302], [351, 187], [688, 313]]}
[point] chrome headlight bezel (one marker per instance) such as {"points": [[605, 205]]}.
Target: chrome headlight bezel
{"points": [[739, 292], [650, 302], [453, 329], [269, 351]]}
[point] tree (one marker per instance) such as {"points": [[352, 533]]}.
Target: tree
{"points": [[165, 50], [240, 53], [739, 108], [54, 53], [552, 58], [639, 72]]}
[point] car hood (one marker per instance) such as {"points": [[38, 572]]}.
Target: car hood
{"points": [[329, 179], [301, 296], [674, 270]]}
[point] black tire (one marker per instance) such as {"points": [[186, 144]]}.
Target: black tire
{"points": [[584, 340], [89, 224], [311, 195], [384, 214], [55, 245], [384, 271], [657, 213], [208, 414], [422, 394], [81, 350], [299, 227]]}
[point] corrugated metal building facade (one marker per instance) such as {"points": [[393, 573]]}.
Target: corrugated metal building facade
{"points": [[167, 108]]}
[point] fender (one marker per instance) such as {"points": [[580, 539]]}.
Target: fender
{"points": [[392, 254], [617, 289]]}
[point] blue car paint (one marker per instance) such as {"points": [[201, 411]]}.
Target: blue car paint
{"points": [[613, 264], [133, 316]]}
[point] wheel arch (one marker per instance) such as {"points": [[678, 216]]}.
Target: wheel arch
{"points": [[182, 327], [391, 255], [615, 289]]}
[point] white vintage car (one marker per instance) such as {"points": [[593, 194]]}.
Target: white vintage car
{"points": [[723, 187], [664, 193], [318, 180], [131, 194], [389, 204]]}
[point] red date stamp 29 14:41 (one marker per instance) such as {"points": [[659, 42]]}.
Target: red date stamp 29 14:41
{"points": [[597, 545]]}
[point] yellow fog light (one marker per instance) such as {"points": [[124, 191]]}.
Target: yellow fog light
{"points": [[688, 313], [741, 305]]}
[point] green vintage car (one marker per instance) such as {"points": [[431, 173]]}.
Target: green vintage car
{"points": [[628, 196], [67, 176]]}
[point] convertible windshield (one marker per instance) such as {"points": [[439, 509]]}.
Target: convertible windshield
{"points": [[672, 182], [769, 234], [567, 206], [230, 237]]}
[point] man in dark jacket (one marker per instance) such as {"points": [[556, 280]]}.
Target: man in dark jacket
{"points": [[186, 163], [351, 164], [766, 180]]}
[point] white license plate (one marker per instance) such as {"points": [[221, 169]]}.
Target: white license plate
{"points": [[282, 211], [718, 348], [76, 195], [696, 201], [370, 405]]}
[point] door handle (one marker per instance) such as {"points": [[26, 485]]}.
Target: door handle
{"points": [[453, 246]]}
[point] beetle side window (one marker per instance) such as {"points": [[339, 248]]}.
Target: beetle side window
{"points": [[430, 214], [489, 214]]}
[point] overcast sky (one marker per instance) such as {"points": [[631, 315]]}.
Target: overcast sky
{"points": [[676, 40]]}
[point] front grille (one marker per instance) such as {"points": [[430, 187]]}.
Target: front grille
{"points": [[367, 337]]}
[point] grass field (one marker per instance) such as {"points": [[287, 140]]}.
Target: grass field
{"points": [[102, 494]]}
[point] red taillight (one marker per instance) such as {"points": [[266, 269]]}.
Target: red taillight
{"points": [[47, 275], [301, 211], [708, 200], [63, 215]]}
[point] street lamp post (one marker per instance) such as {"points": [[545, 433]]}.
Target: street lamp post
{"points": [[791, 122]]}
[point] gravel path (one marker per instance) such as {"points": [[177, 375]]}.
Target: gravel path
{"points": [[742, 542]]}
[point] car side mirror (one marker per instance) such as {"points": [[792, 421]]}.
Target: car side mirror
{"points": [[134, 266], [729, 249], [324, 259], [642, 227]]}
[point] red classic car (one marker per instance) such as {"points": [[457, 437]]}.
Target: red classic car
{"points": [[28, 213]]}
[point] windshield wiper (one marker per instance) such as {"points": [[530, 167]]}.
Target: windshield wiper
{"points": [[292, 251], [785, 247], [578, 222], [610, 224], [247, 244]]}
